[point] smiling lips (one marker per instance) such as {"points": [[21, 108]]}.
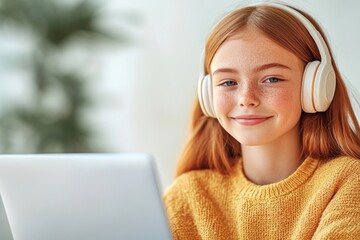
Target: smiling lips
{"points": [[250, 120]]}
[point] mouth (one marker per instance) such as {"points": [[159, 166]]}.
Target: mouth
{"points": [[250, 120]]}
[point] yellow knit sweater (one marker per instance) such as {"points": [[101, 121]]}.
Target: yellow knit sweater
{"points": [[320, 200]]}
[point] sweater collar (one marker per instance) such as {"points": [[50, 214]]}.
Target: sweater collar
{"points": [[287, 185]]}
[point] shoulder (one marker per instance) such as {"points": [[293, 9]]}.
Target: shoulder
{"points": [[193, 187], [340, 167], [341, 175], [341, 217], [193, 182]]}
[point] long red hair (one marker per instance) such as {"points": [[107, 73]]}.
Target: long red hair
{"points": [[325, 135]]}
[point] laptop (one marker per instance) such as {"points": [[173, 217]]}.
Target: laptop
{"points": [[81, 196]]}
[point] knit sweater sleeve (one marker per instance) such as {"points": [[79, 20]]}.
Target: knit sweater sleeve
{"points": [[341, 218]]}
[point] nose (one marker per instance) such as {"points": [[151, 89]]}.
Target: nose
{"points": [[249, 96]]}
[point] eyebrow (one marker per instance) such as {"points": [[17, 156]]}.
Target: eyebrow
{"points": [[224, 70], [271, 65], [259, 68]]}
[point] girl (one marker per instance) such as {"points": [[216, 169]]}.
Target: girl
{"points": [[275, 145]]}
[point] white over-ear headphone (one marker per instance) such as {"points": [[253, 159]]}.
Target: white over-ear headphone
{"points": [[318, 83]]}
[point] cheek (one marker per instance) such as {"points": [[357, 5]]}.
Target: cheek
{"points": [[222, 103], [282, 96], [286, 99]]}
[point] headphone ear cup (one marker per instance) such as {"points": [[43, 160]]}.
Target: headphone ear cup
{"points": [[318, 87], [324, 87], [307, 101], [205, 95]]}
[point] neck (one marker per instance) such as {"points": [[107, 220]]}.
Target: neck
{"points": [[272, 162]]}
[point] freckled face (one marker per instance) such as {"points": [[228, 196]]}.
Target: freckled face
{"points": [[257, 86]]}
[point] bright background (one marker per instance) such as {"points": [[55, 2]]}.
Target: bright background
{"points": [[145, 91]]}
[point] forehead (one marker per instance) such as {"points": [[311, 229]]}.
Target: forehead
{"points": [[251, 47]]}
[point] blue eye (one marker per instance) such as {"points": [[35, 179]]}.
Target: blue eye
{"points": [[272, 80], [228, 83]]}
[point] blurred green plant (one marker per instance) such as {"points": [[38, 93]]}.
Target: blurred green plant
{"points": [[54, 24]]}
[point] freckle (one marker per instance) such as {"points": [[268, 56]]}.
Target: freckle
{"points": [[280, 96]]}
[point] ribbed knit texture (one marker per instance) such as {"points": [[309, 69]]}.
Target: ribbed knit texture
{"points": [[320, 200]]}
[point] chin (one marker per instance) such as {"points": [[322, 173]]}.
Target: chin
{"points": [[252, 144], [252, 141]]}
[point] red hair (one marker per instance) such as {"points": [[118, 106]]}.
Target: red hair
{"points": [[325, 135]]}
